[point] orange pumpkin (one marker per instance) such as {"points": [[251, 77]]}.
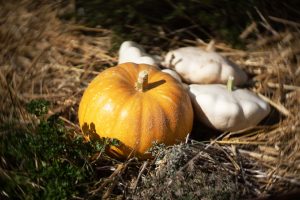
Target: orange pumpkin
{"points": [[138, 105]]}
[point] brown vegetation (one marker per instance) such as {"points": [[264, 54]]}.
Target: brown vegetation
{"points": [[45, 57]]}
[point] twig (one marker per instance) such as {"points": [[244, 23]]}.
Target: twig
{"points": [[284, 21], [73, 68], [221, 47], [278, 106], [44, 96], [239, 142], [109, 179], [233, 162], [261, 174], [140, 174], [69, 122], [265, 23], [284, 86], [252, 27], [73, 27], [115, 179], [262, 157]]}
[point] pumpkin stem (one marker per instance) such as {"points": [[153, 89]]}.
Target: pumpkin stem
{"points": [[142, 81], [230, 83]]}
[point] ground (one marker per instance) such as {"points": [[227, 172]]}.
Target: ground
{"points": [[47, 61]]}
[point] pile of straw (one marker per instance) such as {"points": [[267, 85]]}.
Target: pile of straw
{"points": [[45, 57]]}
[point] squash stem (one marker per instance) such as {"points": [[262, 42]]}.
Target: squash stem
{"points": [[230, 83], [211, 46], [142, 81]]}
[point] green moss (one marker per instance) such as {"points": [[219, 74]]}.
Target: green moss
{"points": [[38, 107], [46, 163]]}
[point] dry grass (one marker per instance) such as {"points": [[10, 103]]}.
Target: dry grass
{"points": [[44, 57], [41, 57]]}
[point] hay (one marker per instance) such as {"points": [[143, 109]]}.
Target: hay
{"points": [[43, 56]]}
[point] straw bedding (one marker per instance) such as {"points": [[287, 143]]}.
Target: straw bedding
{"points": [[45, 57]]}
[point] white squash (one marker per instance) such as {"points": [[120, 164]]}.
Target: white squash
{"points": [[200, 66], [227, 110], [173, 74], [132, 52], [176, 76]]}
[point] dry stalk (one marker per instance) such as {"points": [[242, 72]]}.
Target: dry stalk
{"points": [[42, 57]]}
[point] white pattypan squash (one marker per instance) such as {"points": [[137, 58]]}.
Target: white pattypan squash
{"points": [[200, 66], [133, 52], [227, 110], [176, 76], [173, 74]]}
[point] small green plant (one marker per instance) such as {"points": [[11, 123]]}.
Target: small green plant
{"points": [[48, 163], [157, 149], [38, 107]]}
